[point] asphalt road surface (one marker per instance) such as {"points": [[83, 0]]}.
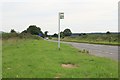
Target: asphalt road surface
{"points": [[98, 50]]}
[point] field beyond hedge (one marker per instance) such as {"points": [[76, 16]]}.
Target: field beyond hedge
{"points": [[105, 39], [28, 58]]}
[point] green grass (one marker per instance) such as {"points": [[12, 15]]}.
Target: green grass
{"points": [[0, 58], [42, 59], [104, 39]]}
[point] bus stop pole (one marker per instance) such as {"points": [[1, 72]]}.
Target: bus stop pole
{"points": [[59, 31]]}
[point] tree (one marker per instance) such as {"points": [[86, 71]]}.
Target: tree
{"points": [[12, 31], [109, 36], [55, 35], [67, 32], [61, 34], [108, 32], [46, 33], [84, 34], [79, 34], [34, 30], [25, 31]]}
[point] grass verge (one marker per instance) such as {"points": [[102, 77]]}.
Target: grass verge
{"points": [[42, 59]]}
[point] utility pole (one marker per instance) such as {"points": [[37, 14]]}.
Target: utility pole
{"points": [[60, 16]]}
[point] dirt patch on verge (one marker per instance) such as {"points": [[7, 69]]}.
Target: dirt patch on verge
{"points": [[69, 66]]}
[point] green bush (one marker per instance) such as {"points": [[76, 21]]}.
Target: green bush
{"points": [[50, 37], [20, 36], [9, 35]]}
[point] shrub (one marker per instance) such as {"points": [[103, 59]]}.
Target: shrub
{"points": [[20, 36]]}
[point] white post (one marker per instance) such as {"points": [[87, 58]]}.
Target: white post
{"points": [[59, 31], [60, 16]]}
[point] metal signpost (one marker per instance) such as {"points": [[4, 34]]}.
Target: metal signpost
{"points": [[60, 16]]}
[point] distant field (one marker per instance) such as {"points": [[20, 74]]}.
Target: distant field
{"points": [[23, 58], [107, 39]]}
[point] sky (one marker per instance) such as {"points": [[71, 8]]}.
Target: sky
{"points": [[81, 16]]}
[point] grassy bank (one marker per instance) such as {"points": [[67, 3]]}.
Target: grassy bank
{"points": [[105, 39], [25, 58], [0, 58]]}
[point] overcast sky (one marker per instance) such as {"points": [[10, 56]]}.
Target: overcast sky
{"points": [[80, 15]]}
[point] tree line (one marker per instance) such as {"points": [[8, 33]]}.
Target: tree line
{"points": [[34, 30]]}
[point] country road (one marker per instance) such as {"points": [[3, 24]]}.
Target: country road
{"points": [[98, 50]]}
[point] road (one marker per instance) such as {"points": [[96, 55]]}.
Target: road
{"points": [[98, 50]]}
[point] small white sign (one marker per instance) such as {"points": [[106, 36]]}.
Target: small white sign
{"points": [[61, 15]]}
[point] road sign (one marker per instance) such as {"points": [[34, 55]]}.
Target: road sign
{"points": [[60, 16]]}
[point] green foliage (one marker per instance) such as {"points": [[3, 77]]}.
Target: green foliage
{"points": [[34, 30], [28, 58], [108, 32], [23, 32], [46, 32], [67, 32], [9, 35], [112, 38], [50, 37], [61, 34], [6, 36], [55, 35], [31, 30], [29, 36], [12, 31]]}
